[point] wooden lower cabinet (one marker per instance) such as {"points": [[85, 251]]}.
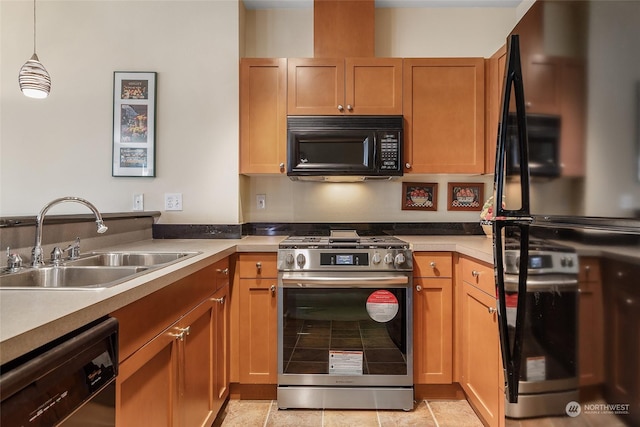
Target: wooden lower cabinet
{"points": [[180, 377], [433, 330], [590, 323], [257, 318], [479, 340]]}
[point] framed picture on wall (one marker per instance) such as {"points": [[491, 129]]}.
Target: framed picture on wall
{"points": [[419, 196], [134, 120], [465, 196]]}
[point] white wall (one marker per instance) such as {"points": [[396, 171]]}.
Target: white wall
{"points": [[62, 145]]}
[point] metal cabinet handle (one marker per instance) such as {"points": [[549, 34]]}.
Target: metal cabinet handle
{"points": [[418, 288], [492, 310], [281, 166], [273, 290], [475, 273], [182, 333], [407, 165], [223, 271], [218, 300], [349, 107], [432, 264], [259, 267], [340, 107]]}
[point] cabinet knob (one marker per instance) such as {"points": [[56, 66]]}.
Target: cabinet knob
{"points": [[340, 107], [475, 273], [218, 300], [281, 167], [418, 288], [349, 107], [407, 165], [492, 310], [273, 290], [432, 264], [223, 271], [259, 267]]}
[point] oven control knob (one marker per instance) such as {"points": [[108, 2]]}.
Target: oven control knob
{"points": [[376, 258], [399, 260], [388, 258], [288, 259], [301, 260]]}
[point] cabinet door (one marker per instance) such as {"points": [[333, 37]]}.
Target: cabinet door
{"points": [[315, 86], [443, 104], [145, 393], [196, 366], [263, 115], [373, 86], [433, 331], [590, 323], [221, 348], [495, 67], [481, 353], [258, 331]]}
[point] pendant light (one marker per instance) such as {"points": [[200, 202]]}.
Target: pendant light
{"points": [[34, 79]]}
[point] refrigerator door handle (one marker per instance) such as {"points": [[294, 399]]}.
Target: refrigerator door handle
{"points": [[511, 341]]}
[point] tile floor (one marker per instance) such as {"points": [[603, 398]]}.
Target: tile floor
{"points": [[434, 413]]}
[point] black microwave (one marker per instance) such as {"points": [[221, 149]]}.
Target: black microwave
{"points": [[360, 147], [543, 138]]}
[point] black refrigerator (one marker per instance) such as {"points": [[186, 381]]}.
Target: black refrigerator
{"points": [[566, 227]]}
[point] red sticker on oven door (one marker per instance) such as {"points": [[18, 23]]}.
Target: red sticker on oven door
{"points": [[382, 306]]}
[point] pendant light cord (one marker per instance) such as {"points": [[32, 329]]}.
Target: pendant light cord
{"points": [[34, 26]]}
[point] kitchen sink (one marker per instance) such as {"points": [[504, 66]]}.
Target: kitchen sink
{"points": [[95, 270], [69, 277], [111, 259]]}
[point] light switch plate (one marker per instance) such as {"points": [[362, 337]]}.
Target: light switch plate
{"points": [[261, 201], [173, 201]]}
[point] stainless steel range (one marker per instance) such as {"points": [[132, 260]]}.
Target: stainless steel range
{"points": [[549, 369], [345, 322]]}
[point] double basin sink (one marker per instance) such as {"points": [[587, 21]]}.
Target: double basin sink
{"points": [[96, 270]]}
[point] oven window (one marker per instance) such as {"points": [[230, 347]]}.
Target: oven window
{"points": [[344, 331]]}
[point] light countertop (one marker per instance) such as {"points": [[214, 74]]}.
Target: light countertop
{"points": [[31, 318]]}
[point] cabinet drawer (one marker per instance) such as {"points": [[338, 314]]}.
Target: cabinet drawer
{"points": [[258, 265], [589, 269], [432, 264], [478, 274]]}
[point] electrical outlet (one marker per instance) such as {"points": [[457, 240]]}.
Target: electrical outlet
{"points": [[138, 202], [173, 201], [261, 201]]}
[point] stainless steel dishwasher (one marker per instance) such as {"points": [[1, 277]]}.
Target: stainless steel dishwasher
{"points": [[69, 382]]}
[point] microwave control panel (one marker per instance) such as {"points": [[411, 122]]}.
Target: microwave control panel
{"points": [[389, 150]]}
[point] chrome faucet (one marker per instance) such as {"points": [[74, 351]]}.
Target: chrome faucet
{"points": [[37, 258]]}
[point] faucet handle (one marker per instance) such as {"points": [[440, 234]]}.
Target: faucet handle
{"points": [[56, 256], [74, 249], [14, 261]]}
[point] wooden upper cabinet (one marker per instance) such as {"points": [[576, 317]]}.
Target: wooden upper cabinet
{"points": [[358, 86], [495, 68], [263, 115], [443, 104], [343, 28]]}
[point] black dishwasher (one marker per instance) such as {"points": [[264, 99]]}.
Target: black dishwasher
{"points": [[69, 382]]}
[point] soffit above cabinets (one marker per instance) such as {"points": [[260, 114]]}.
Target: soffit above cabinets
{"points": [[302, 4]]}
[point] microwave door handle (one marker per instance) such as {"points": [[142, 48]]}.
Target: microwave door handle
{"points": [[513, 82], [511, 354]]}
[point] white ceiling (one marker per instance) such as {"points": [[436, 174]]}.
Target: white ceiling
{"points": [[283, 4]]}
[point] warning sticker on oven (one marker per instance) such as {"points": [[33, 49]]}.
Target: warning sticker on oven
{"points": [[345, 362], [382, 306]]}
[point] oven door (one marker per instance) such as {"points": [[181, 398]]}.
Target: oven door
{"points": [[345, 329]]}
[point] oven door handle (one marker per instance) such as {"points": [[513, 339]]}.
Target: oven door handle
{"points": [[324, 281]]}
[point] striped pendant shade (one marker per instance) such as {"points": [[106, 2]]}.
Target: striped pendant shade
{"points": [[34, 79]]}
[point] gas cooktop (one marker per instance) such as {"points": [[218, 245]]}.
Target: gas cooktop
{"points": [[342, 239]]}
